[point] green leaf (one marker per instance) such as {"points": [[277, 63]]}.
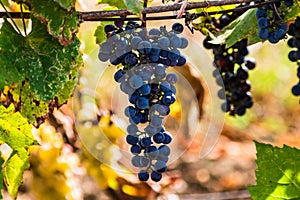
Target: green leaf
{"points": [[1, 176], [100, 34], [135, 6], [31, 107], [13, 170], [14, 129], [117, 3], [61, 23], [68, 88], [278, 173], [66, 4], [244, 26], [38, 57], [15, 132]]}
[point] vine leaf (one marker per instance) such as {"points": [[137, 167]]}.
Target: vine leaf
{"points": [[14, 168], [278, 173], [30, 106], [38, 57], [59, 16], [66, 4], [244, 26], [135, 6], [117, 3], [1, 176], [16, 133], [100, 33]]}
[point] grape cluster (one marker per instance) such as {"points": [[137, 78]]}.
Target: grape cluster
{"points": [[294, 55], [269, 21], [232, 70], [143, 57]]}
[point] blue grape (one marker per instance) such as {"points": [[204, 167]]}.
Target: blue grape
{"points": [[145, 89], [155, 49], [173, 56], [145, 142], [135, 81], [135, 119], [143, 175], [177, 28], [130, 59], [144, 47], [164, 150], [158, 138], [142, 103], [160, 166], [175, 41], [165, 86], [118, 75], [181, 61], [130, 111], [132, 139], [184, 43], [164, 111], [144, 162], [106, 47], [135, 149], [155, 121], [109, 28], [162, 158], [263, 33], [151, 130], [122, 43], [261, 13], [135, 41], [168, 98], [168, 138], [262, 22], [171, 78], [132, 129], [135, 160], [154, 57], [288, 3], [154, 31], [272, 38], [279, 34], [159, 69], [103, 56], [134, 97], [155, 176], [163, 42], [296, 90], [151, 152]]}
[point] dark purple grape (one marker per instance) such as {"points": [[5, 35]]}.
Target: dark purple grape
{"points": [[143, 175], [177, 28]]}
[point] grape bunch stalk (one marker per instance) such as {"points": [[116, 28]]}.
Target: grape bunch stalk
{"points": [[294, 55], [142, 57]]}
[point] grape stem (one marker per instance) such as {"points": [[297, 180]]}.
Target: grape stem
{"points": [[111, 14]]}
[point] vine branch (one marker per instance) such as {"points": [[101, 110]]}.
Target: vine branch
{"points": [[111, 14]]}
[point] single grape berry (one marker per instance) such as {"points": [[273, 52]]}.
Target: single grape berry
{"points": [[143, 175], [156, 176], [177, 28]]}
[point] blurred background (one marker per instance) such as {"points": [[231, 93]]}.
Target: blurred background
{"points": [[83, 154]]}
